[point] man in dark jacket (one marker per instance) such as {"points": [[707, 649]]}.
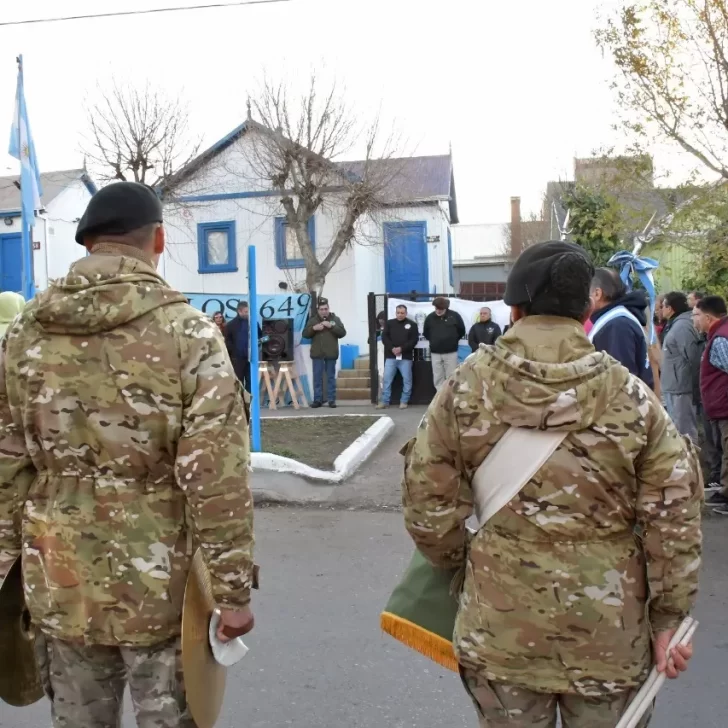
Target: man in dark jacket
{"points": [[443, 329], [680, 364], [486, 331], [399, 336], [324, 329], [618, 322], [237, 340]]}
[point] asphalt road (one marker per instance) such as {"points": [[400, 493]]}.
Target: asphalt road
{"points": [[318, 659]]}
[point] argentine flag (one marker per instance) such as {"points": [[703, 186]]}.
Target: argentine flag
{"points": [[22, 148]]}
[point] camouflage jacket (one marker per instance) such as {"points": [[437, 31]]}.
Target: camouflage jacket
{"points": [[563, 585], [123, 440]]}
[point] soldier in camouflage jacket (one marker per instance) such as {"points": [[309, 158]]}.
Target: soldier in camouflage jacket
{"points": [[123, 445], [565, 586]]}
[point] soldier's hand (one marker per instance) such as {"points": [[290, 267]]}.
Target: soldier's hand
{"points": [[234, 623], [677, 661]]}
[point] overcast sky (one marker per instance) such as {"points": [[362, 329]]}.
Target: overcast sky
{"points": [[518, 88]]}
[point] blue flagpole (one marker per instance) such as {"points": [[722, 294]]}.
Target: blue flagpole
{"points": [[25, 224], [28, 277], [254, 374]]}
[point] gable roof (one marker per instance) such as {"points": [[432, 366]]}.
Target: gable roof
{"points": [[414, 179], [209, 154], [52, 183]]}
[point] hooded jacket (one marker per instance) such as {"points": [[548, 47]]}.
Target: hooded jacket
{"points": [[123, 446], [11, 304], [680, 356], [563, 585], [623, 339]]}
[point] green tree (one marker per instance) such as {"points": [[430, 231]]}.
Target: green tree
{"points": [[702, 228], [595, 222], [672, 83]]}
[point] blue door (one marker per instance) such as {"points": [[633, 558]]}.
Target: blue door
{"points": [[405, 257], [11, 263]]}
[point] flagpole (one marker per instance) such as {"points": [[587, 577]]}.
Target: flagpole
{"points": [[25, 224]]}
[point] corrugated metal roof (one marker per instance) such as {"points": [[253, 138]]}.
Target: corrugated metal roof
{"points": [[411, 179], [53, 183]]}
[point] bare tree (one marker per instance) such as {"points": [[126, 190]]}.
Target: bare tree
{"points": [[297, 150], [138, 134], [672, 56]]}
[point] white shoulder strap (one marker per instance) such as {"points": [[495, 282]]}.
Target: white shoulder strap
{"points": [[514, 460]]}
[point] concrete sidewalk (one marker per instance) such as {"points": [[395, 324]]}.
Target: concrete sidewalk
{"points": [[377, 482]]}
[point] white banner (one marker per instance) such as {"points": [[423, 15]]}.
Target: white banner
{"points": [[469, 310]]}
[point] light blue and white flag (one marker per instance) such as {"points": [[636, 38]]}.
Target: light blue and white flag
{"points": [[22, 148]]}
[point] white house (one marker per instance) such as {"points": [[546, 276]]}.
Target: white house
{"points": [[221, 207], [65, 197]]}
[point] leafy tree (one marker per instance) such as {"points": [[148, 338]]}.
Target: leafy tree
{"points": [[702, 229], [595, 222], [672, 58]]}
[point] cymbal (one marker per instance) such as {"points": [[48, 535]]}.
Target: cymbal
{"points": [[20, 682], [204, 677]]}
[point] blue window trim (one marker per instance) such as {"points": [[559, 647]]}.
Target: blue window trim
{"points": [[203, 230], [449, 258], [280, 231]]}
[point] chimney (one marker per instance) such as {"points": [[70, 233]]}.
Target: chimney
{"points": [[516, 228]]}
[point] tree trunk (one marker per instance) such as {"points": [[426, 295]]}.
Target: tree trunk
{"points": [[315, 286]]}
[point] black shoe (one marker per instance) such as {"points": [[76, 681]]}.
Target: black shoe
{"points": [[717, 499], [315, 405], [332, 405]]}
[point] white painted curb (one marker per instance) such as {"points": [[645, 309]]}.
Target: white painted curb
{"points": [[344, 465]]}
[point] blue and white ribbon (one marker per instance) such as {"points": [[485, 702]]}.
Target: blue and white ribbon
{"points": [[633, 265]]}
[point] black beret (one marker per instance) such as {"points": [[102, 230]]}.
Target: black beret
{"points": [[118, 209], [531, 273], [323, 302]]}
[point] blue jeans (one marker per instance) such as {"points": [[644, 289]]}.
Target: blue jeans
{"points": [[319, 367], [391, 367]]}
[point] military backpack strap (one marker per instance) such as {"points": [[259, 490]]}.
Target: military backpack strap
{"points": [[505, 471]]}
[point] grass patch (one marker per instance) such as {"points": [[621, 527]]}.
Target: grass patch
{"points": [[315, 441]]}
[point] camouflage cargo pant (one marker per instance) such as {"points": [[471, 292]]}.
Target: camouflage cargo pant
{"points": [[86, 684], [506, 706]]}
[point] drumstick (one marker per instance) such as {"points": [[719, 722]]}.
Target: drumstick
{"points": [[645, 697]]}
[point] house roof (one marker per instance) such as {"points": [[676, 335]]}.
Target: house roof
{"points": [[52, 183], [414, 179]]}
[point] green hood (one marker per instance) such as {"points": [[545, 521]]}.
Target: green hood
{"points": [[11, 304], [545, 373], [102, 292]]}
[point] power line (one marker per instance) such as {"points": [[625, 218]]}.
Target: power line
{"points": [[141, 12]]}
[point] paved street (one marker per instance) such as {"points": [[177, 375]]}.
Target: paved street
{"points": [[318, 659]]}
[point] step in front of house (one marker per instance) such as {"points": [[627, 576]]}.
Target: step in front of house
{"points": [[353, 373], [361, 363], [347, 394], [353, 382]]}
